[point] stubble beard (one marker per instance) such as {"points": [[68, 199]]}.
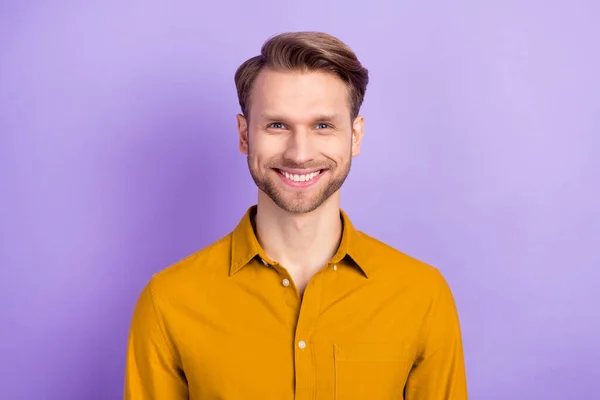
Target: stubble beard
{"points": [[299, 202]]}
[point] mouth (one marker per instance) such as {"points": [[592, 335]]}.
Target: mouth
{"points": [[300, 180]]}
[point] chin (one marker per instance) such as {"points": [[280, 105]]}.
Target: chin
{"points": [[299, 206], [300, 209]]}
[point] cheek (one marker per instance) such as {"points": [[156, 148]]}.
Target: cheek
{"points": [[342, 150], [257, 160], [263, 152]]}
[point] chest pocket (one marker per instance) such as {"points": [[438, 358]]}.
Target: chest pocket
{"points": [[373, 371]]}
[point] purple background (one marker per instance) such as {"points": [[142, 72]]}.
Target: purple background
{"points": [[118, 157]]}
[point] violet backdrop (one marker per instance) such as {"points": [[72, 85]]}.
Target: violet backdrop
{"points": [[118, 157]]}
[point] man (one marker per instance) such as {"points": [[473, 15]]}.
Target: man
{"points": [[296, 303]]}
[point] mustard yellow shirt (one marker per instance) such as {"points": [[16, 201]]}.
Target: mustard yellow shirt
{"points": [[228, 323]]}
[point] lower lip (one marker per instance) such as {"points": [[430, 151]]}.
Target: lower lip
{"points": [[300, 184]]}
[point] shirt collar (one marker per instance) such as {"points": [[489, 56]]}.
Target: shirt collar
{"points": [[245, 246]]}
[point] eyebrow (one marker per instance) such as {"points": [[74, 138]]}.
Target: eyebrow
{"points": [[316, 118]]}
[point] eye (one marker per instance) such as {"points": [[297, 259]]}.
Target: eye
{"points": [[323, 126], [276, 125]]}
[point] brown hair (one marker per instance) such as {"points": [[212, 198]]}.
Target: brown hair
{"points": [[305, 51]]}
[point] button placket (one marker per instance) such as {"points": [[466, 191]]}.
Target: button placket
{"points": [[304, 350]]}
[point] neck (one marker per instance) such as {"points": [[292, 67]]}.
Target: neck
{"points": [[300, 242]]}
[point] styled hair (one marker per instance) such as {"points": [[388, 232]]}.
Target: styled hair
{"points": [[305, 51]]}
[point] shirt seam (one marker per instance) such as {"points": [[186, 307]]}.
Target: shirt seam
{"points": [[428, 321], [158, 314]]}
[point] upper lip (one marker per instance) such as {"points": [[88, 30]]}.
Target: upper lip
{"points": [[299, 171]]}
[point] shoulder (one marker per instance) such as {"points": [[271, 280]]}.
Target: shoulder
{"points": [[195, 269], [388, 262], [395, 271]]}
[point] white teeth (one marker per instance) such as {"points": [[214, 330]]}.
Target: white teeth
{"points": [[300, 178]]}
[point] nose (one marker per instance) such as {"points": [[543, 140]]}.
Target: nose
{"points": [[299, 147]]}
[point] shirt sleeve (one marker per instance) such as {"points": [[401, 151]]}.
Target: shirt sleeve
{"points": [[439, 372], [152, 369]]}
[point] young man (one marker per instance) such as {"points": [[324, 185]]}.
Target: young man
{"points": [[296, 303]]}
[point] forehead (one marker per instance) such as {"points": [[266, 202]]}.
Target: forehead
{"points": [[298, 94]]}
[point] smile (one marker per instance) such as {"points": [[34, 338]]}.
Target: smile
{"points": [[300, 180]]}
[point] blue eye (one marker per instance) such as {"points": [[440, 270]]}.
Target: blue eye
{"points": [[322, 126], [276, 125]]}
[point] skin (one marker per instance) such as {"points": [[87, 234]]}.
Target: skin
{"points": [[299, 122]]}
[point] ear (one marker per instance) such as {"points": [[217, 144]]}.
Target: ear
{"points": [[358, 130], [242, 125]]}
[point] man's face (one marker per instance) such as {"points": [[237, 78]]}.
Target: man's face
{"points": [[299, 138]]}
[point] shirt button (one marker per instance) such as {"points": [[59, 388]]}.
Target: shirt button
{"points": [[335, 267], [286, 282], [301, 344]]}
